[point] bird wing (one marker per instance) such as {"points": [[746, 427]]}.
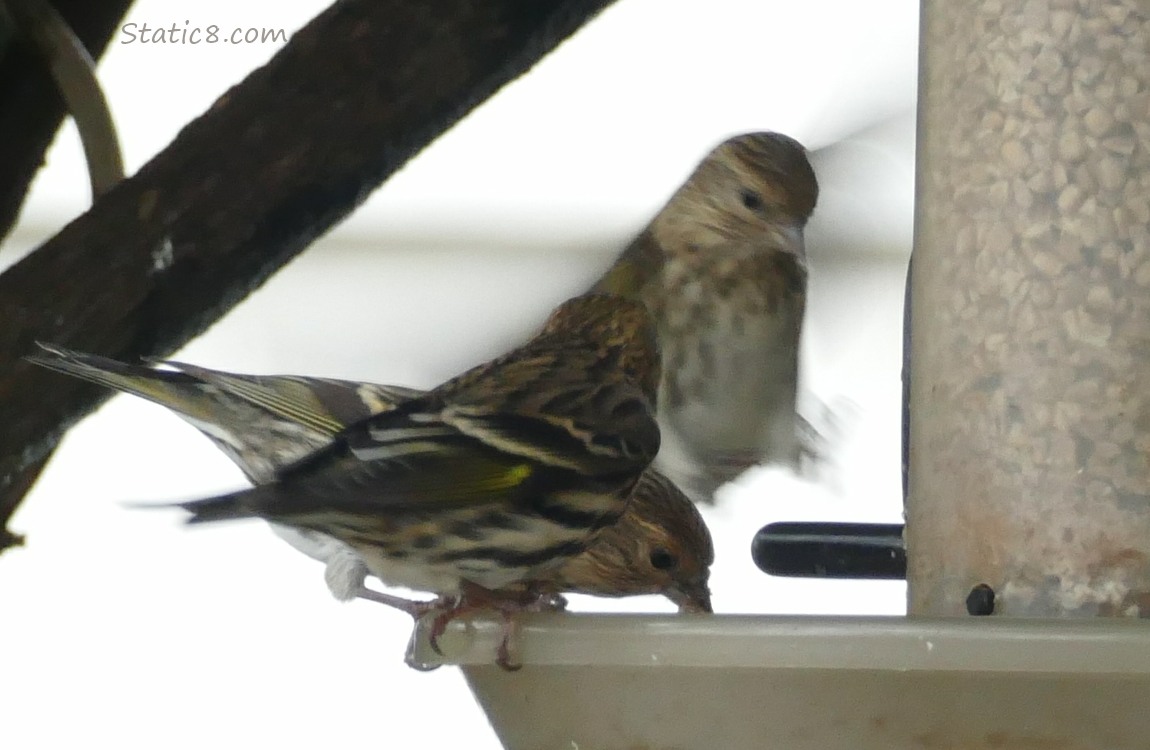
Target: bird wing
{"points": [[425, 456], [417, 469], [288, 398], [635, 267], [591, 448], [324, 404], [562, 408]]}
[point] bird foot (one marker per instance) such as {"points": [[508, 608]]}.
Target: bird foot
{"points": [[508, 631], [508, 605]]}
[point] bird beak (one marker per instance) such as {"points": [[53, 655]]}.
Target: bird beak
{"points": [[692, 599]]}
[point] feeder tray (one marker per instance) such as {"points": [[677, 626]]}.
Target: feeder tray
{"points": [[733, 682]]}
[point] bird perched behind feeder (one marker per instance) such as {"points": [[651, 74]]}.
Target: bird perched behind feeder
{"points": [[722, 269]]}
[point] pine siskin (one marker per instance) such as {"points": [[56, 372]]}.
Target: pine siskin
{"points": [[722, 268], [660, 546], [492, 479]]}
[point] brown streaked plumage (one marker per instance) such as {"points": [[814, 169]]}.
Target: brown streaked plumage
{"points": [[495, 477], [264, 423], [661, 545], [722, 268]]}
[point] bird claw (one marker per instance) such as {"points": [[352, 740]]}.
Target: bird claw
{"points": [[439, 627], [503, 653], [417, 610], [454, 608], [475, 599], [409, 656]]}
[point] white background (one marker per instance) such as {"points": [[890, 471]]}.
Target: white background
{"points": [[124, 627]]}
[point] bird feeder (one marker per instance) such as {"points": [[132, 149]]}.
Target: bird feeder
{"points": [[1030, 387], [1029, 452], [743, 682]]}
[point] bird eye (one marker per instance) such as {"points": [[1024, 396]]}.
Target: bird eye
{"points": [[752, 200], [661, 559]]}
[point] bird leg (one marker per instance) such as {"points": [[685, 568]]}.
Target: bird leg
{"points": [[416, 609], [509, 629], [474, 598], [455, 607]]}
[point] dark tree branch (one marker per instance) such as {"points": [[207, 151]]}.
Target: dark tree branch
{"points": [[275, 162], [31, 108]]}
